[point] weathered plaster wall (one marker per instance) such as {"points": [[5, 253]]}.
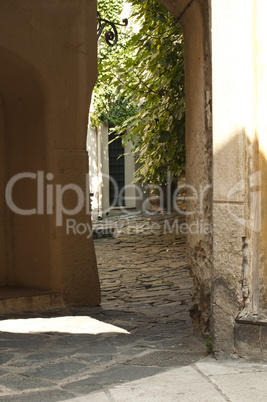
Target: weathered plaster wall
{"points": [[104, 165], [260, 85], [47, 73], [130, 192], [195, 23], [239, 57], [97, 146], [225, 55], [91, 145], [98, 150], [232, 84]]}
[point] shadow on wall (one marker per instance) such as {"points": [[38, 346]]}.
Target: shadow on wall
{"points": [[24, 239], [239, 235]]}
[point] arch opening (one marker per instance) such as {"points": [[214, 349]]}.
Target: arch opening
{"points": [[195, 25], [24, 238]]}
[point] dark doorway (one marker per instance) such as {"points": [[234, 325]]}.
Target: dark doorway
{"points": [[116, 172]]}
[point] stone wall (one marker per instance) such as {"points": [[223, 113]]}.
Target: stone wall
{"points": [[225, 56], [98, 151], [195, 22], [48, 70]]}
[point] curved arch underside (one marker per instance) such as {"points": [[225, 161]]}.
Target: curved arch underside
{"points": [[24, 150]]}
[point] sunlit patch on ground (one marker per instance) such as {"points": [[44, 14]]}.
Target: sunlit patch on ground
{"points": [[71, 325]]}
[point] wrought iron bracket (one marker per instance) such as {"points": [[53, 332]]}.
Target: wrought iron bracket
{"points": [[111, 35]]}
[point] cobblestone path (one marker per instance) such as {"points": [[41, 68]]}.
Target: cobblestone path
{"points": [[145, 308], [143, 269]]}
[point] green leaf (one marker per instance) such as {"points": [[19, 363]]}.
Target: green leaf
{"points": [[140, 89], [164, 135]]}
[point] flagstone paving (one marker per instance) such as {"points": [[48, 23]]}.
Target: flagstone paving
{"points": [[146, 298], [143, 268]]}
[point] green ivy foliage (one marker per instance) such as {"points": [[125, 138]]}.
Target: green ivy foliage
{"points": [[110, 106], [141, 91]]}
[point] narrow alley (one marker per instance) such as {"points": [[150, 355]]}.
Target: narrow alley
{"points": [[138, 345], [145, 303]]}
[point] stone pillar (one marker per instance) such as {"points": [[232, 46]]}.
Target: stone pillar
{"points": [[225, 63], [196, 29], [48, 70], [260, 87], [232, 85], [195, 22]]}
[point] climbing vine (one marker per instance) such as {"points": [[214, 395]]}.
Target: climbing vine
{"points": [[110, 106], [140, 90]]}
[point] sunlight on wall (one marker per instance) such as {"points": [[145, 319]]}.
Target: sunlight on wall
{"points": [[232, 81], [261, 81]]}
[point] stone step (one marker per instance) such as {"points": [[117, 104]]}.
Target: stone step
{"points": [[19, 300]]}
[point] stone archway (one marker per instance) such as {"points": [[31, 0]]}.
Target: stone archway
{"points": [[26, 236], [47, 72], [48, 59]]}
